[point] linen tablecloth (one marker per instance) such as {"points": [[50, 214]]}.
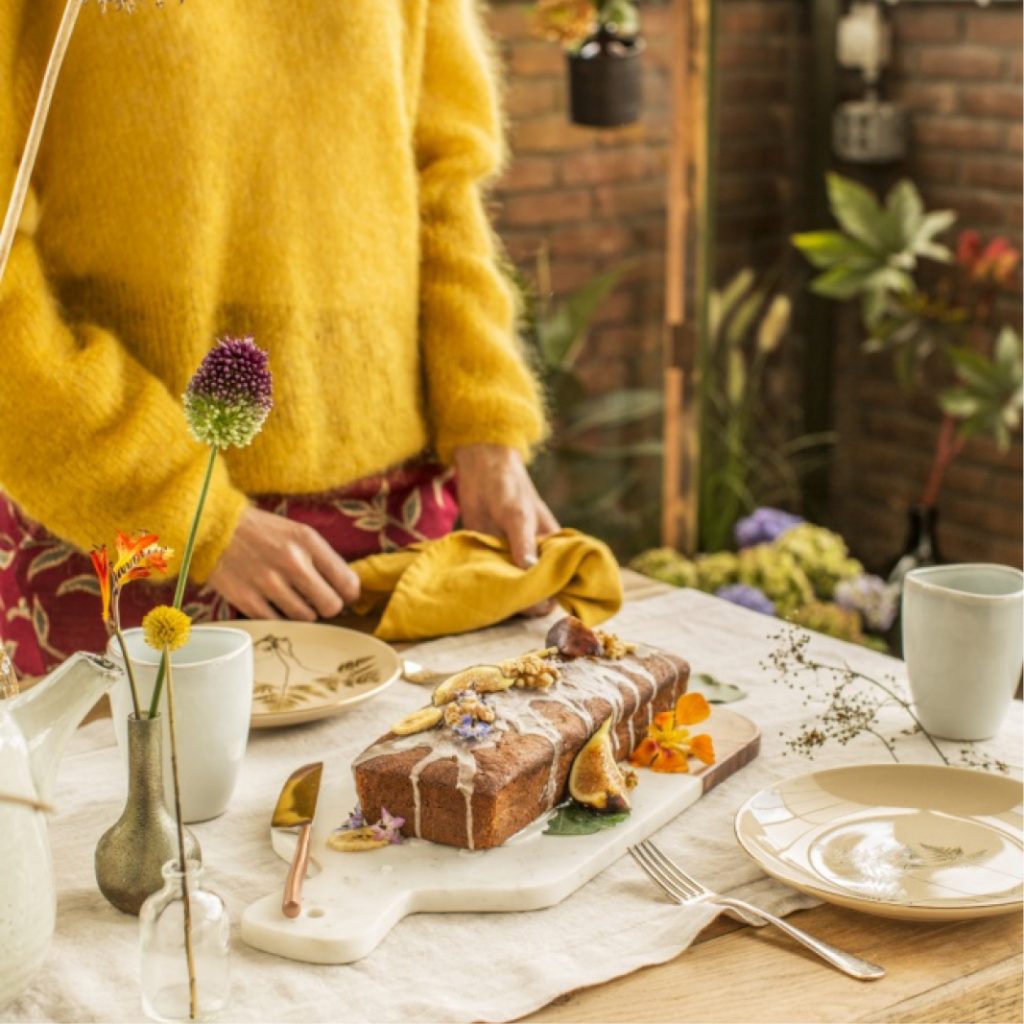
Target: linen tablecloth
{"points": [[451, 967]]}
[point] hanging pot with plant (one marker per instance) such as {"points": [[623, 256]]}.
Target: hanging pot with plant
{"points": [[603, 51]]}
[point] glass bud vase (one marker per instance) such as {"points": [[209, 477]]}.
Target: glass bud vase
{"points": [[165, 966], [131, 854]]}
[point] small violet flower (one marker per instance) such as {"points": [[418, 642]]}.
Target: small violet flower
{"points": [[876, 600], [355, 819], [747, 597], [472, 729], [230, 396], [763, 525], [388, 827]]}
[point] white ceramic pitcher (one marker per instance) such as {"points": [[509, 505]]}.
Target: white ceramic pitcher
{"points": [[34, 728]]}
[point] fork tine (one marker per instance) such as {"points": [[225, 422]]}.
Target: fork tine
{"points": [[656, 874], [690, 885]]}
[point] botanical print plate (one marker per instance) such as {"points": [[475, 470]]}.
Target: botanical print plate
{"points": [[309, 670], [918, 842]]}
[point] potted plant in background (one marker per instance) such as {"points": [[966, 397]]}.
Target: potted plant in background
{"points": [[936, 313], [603, 49], [594, 465]]}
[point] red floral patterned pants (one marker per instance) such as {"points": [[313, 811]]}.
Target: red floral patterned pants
{"points": [[49, 597]]}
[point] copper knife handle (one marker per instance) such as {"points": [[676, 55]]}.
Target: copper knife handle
{"points": [[292, 902]]}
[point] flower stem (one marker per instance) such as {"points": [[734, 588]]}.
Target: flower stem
{"points": [[193, 998], [23, 178], [186, 562], [186, 558], [947, 448], [131, 672]]}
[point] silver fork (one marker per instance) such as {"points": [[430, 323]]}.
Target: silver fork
{"points": [[686, 890]]}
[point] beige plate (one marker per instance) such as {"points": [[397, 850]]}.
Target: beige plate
{"points": [[309, 670], [918, 842]]}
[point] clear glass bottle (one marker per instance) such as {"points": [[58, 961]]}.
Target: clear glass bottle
{"points": [[165, 975]]}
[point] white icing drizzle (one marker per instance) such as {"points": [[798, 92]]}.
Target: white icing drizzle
{"points": [[520, 711]]}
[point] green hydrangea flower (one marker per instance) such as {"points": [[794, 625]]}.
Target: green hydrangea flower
{"points": [[821, 554]]}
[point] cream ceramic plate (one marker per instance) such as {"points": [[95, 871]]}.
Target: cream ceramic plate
{"points": [[309, 670], [918, 842]]}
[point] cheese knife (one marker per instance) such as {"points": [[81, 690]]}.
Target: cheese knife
{"points": [[295, 809]]}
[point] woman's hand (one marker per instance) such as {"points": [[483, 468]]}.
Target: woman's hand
{"points": [[497, 496], [274, 567]]}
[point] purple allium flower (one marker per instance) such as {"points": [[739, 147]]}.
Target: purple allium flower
{"points": [[875, 599], [763, 525], [388, 827], [355, 819], [230, 396], [472, 729], [747, 596]]}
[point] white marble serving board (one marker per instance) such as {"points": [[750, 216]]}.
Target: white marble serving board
{"points": [[353, 900]]}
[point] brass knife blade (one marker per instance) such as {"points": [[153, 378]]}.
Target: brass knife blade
{"points": [[297, 803]]}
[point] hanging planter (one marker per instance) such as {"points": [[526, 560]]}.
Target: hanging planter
{"points": [[603, 50], [606, 81]]}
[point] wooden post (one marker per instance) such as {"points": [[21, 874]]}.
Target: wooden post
{"points": [[685, 272]]}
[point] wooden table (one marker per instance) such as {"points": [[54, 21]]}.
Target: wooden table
{"points": [[967, 971]]}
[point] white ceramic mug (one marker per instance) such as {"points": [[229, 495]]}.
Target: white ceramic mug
{"points": [[213, 678], [963, 641]]}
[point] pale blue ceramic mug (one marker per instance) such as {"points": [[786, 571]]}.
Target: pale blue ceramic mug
{"points": [[963, 641]]}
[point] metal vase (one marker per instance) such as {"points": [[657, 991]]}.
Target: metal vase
{"points": [[131, 854]]}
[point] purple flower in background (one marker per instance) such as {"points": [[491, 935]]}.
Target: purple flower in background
{"points": [[388, 827], [875, 599], [472, 729], [747, 597], [763, 525], [231, 394]]}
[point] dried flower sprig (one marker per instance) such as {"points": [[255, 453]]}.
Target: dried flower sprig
{"points": [[853, 702], [167, 629]]}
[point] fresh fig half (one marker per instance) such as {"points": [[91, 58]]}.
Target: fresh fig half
{"points": [[595, 780]]}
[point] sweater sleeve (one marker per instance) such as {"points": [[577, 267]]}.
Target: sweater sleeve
{"points": [[479, 388], [90, 441]]}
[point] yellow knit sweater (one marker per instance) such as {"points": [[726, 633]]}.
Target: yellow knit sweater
{"points": [[307, 172]]}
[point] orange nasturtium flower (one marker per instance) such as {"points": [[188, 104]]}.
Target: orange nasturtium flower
{"points": [[139, 555], [668, 745]]}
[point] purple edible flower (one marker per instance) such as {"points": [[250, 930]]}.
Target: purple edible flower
{"points": [[355, 819], [763, 525], [472, 729], [747, 596], [875, 599], [231, 394], [388, 827]]}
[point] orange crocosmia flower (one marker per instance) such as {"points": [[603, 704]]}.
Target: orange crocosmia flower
{"points": [[101, 566], [692, 708], [139, 556]]}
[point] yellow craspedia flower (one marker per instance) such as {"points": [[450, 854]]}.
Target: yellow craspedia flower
{"points": [[166, 628]]}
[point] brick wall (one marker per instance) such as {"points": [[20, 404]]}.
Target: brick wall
{"points": [[958, 70], [596, 198]]}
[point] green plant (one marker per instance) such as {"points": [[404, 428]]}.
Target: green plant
{"points": [[593, 467], [573, 22], [745, 465], [878, 254]]}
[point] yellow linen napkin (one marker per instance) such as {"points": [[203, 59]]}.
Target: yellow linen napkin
{"points": [[467, 581]]}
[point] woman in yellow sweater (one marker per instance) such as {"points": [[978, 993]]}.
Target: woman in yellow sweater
{"points": [[307, 173]]}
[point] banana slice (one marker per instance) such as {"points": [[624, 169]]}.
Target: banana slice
{"points": [[482, 678], [356, 840], [418, 721]]}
